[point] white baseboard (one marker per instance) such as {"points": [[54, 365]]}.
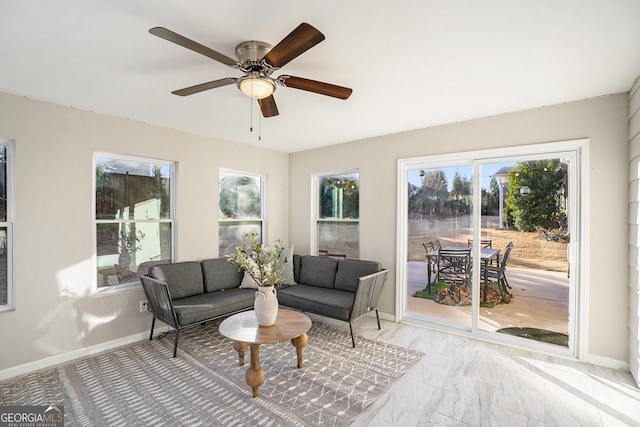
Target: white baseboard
{"points": [[384, 316], [607, 362], [69, 356]]}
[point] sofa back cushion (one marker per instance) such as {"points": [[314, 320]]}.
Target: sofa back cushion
{"points": [[288, 276], [297, 260], [220, 274], [318, 271], [349, 270], [184, 279]]}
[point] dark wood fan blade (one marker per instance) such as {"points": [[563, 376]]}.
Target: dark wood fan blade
{"points": [[315, 86], [204, 86], [268, 106], [176, 38], [301, 39]]}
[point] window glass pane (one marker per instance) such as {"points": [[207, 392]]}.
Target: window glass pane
{"points": [[240, 209], [532, 232], [3, 183], [439, 216], [338, 214], [339, 239], [3, 267], [129, 190], [125, 250], [6, 287], [340, 196], [231, 235], [240, 197], [133, 218]]}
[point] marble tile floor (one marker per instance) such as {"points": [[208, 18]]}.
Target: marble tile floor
{"points": [[464, 382]]}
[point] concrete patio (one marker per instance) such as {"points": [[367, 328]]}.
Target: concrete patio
{"points": [[541, 300]]}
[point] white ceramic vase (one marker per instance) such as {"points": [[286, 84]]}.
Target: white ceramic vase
{"points": [[266, 305]]}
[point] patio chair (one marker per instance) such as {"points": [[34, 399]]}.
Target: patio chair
{"points": [[497, 274], [454, 267], [483, 243], [431, 248]]}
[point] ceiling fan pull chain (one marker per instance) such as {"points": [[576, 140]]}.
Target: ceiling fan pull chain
{"points": [[251, 115], [260, 128]]}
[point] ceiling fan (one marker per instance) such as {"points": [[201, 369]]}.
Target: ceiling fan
{"points": [[258, 60]]}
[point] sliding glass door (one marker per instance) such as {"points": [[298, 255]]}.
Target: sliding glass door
{"points": [[485, 243]]}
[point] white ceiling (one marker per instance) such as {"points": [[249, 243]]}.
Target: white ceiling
{"points": [[411, 64]]}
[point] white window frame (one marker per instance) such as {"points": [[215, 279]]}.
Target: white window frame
{"points": [[316, 206], [171, 220], [263, 198], [9, 187]]}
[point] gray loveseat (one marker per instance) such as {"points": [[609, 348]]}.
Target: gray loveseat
{"points": [[189, 293], [343, 289]]}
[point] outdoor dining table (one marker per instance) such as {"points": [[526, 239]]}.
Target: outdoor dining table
{"points": [[486, 255]]}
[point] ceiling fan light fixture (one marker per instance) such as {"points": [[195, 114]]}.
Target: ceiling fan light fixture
{"points": [[257, 87]]}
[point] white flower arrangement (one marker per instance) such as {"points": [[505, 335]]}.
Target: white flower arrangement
{"points": [[264, 264]]}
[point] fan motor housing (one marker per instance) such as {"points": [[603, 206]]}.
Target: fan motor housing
{"points": [[250, 54]]}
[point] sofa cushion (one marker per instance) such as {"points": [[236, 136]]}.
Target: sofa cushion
{"points": [[184, 279], [248, 282], [220, 274], [286, 263], [213, 304], [314, 299], [297, 260], [349, 270], [318, 271]]}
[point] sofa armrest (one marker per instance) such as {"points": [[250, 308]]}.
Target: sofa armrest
{"points": [[368, 294], [159, 300]]}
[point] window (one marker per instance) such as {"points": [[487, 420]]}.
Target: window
{"points": [[241, 208], [6, 221], [338, 216], [134, 217]]}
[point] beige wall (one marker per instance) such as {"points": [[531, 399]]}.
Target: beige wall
{"points": [[602, 120], [56, 310]]}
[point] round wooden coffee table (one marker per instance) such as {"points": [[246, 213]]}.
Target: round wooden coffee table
{"points": [[244, 331]]}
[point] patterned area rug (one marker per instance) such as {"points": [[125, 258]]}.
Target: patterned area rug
{"points": [[143, 385]]}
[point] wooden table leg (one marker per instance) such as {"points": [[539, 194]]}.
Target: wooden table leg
{"points": [[255, 374], [240, 347], [299, 343]]}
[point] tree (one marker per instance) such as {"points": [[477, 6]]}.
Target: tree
{"points": [[339, 197], [431, 196], [461, 191], [544, 205], [491, 198]]}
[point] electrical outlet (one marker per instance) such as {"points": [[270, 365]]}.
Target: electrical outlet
{"points": [[143, 306]]}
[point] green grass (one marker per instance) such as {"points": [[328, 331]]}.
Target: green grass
{"points": [[434, 288]]}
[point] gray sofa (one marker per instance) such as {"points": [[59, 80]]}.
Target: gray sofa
{"points": [[343, 289], [189, 293]]}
